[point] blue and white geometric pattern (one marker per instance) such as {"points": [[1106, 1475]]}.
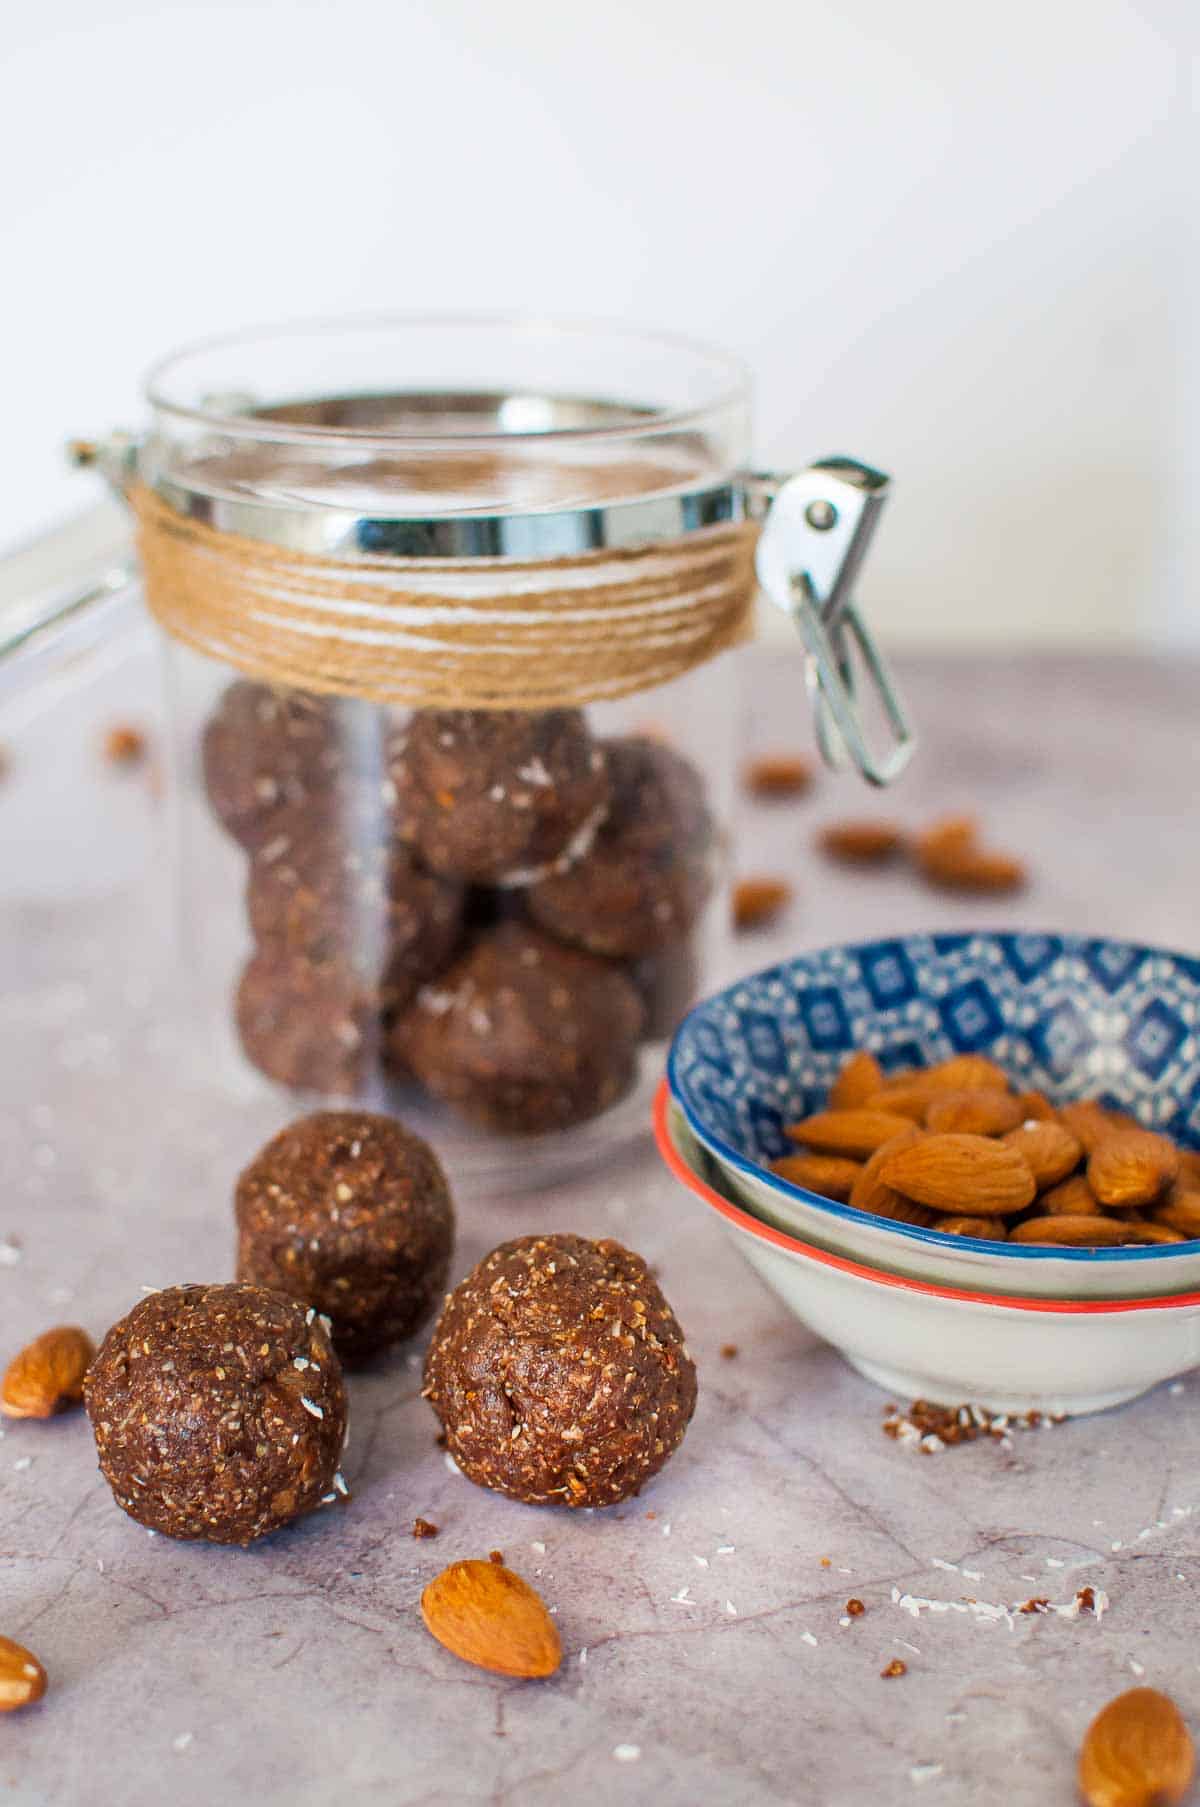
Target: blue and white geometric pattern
{"points": [[1062, 1014]]}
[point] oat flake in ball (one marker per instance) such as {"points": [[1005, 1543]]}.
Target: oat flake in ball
{"points": [[350, 1212], [218, 1411], [560, 1373]]}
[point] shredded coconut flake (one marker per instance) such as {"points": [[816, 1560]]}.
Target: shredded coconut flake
{"points": [[627, 1753], [315, 1411]]}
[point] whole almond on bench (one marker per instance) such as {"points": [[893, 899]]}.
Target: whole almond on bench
{"points": [[22, 1678], [757, 901], [1132, 1167], [962, 1175], [1137, 1752], [778, 775], [856, 1133], [488, 1616], [865, 843], [47, 1376]]}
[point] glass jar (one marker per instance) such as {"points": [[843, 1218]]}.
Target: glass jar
{"points": [[449, 604]]}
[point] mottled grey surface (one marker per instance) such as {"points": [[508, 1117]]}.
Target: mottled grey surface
{"points": [[707, 1637]]}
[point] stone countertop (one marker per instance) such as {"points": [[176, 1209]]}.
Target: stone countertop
{"points": [[709, 1658]]}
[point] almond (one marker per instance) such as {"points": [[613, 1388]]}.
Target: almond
{"points": [[1073, 1232], [1143, 1229], [858, 1080], [1189, 1165], [866, 843], [992, 1227], [856, 1133], [972, 869], [1071, 1198], [961, 1073], [22, 1678], [871, 1195], [1132, 1167], [1180, 1210], [1051, 1151], [47, 1377], [949, 831], [757, 901], [1087, 1121], [829, 1175], [978, 1113], [1036, 1108], [961, 1175], [1137, 1752], [778, 775], [488, 1616]]}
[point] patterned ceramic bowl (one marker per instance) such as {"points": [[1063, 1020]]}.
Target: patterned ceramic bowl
{"points": [[952, 1345], [1063, 1015]]}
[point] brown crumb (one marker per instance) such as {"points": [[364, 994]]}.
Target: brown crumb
{"points": [[894, 1668], [423, 1528], [728, 1351], [1086, 1598], [124, 744], [938, 1427], [1039, 1604], [855, 1609], [758, 901], [778, 775], [496, 1556], [826, 1562], [652, 1515]]}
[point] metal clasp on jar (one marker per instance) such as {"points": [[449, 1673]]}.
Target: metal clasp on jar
{"points": [[817, 527]]}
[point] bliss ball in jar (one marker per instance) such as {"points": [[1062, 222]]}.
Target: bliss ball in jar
{"points": [[498, 797], [219, 1412], [559, 1372], [523, 1035], [350, 1212], [330, 887], [309, 1028], [264, 751], [649, 872]]}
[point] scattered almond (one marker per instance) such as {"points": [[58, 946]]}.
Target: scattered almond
{"points": [[1051, 1151], [961, 1175], [22, 1678], [1137, 1752], [895, 1668], [778, 775], [830, 1175], [977, 1113], [949, 855], [757, 901], [47, 1376], [124, 745], [994, 1228], [859, 1079], [856, 1133], [866, 843], [488, 1616], [1132, 1167]]}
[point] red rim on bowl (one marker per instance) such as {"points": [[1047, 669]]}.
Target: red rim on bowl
{"points": [[764, 1232]]}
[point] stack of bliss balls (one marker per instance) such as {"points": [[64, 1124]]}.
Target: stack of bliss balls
{"points": [[557, 1368], [491, 903]]}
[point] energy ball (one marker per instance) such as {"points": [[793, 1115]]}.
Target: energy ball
{"points": [[329, 887], [266, 750], [218, 1412], [560, 1373], [349, 1212], [498, 797], [650, 869], [668, 984], [310, 1029], [523, 1035]]}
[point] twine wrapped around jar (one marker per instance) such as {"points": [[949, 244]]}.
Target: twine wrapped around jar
{"points": [[482, 633]]}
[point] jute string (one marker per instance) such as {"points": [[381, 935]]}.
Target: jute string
{"points": [[484, 633]]}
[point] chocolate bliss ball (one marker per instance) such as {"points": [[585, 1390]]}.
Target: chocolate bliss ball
{"points": [[218, 1412], [498, 796], [560, 1373], [349, 1212]]}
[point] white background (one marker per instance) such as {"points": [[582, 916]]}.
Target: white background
{"points": [[955, 240]]}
